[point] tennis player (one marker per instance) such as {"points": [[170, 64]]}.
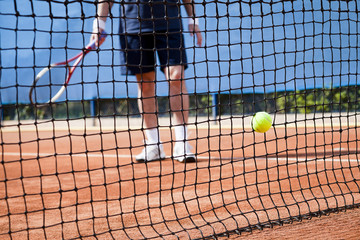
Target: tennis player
{"points": [[149, 28]]}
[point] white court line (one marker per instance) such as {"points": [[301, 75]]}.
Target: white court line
{"points": [[80, 155], [199, 157], [347, 149], [66, 154]]}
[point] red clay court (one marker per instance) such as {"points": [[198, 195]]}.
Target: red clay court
{"points": [[68, 138], [69, 183]]}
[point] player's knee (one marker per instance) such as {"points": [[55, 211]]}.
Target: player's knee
{"points": [[176, 73], [176, 76], [176, 81]]}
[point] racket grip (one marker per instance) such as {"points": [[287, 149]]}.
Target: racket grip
{"points": [[103, 34], [101, 40]]}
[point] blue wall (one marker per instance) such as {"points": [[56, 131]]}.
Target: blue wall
{"points": [[257, 47]]}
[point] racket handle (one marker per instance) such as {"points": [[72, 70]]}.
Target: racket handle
{"points": [[102, 38]]}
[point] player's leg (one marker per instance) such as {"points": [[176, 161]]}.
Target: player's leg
{"points": [[179, 105], [178, 95], [139, 60], [148, 108], [172, 56], [146, 98]]}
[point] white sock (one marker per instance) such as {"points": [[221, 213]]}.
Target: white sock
{"points": [[152, 136], [181, 133]]}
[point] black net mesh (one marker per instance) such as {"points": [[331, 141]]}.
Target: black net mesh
{"points": [[70, 167]]}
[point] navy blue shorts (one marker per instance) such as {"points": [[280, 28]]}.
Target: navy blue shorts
{"points": [[139, 52]]}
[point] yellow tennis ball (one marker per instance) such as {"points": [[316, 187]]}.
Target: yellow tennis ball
{"points": [[261, 122]]}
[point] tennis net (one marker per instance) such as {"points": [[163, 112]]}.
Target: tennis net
{"points": [[68, 168]]}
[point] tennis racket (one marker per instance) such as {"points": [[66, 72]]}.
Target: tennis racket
{"points": [[51, 82]]}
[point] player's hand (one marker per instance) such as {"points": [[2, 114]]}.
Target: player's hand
{"points": [[195, 29], [98, 29], [96, 37]]}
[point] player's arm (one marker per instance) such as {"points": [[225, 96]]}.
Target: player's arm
{"points": [[193, 21], [103, 9]]}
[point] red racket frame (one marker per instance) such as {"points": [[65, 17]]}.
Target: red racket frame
{"points": [[77, 59]]}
